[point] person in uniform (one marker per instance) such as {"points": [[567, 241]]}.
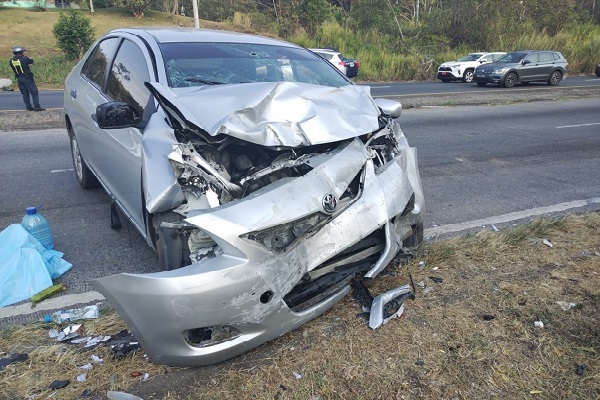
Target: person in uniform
{"points": [[20, 66]]}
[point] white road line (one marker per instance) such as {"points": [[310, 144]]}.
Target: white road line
{"points": [[61, 170], [575, 126], [498, 219], [51, 304]]}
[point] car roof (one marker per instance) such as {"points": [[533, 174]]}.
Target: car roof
{"points": [[187, 35], [325, 51]]}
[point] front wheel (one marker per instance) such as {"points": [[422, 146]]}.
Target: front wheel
{"points": [[555, 78], [84, 176], [481, 83], [468, 76], [510, 80]]}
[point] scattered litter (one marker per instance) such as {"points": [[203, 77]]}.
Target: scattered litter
{"points": [[428, 289], [488, 317], [538, 324], [435, 268], [297, 375], [282, 387], [87, 366], [89, 312], [48, 292], [535, 392], [495, 229], [146, 377], [580, 369], [96, 359], [421, 264], [121, 396], [53, 333], [86, 393], [436, 279], [420, 362], [13, 358], [421, 284], [68, 333], [82, 377], [547, 243], [135, 374], [123, 343], [57, 384], [91, 342], [566, 306]]}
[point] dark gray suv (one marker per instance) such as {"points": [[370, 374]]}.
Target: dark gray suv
{"points": [[523, 66]]}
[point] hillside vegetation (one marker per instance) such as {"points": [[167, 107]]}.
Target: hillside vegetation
{"points": [[394, 40]]}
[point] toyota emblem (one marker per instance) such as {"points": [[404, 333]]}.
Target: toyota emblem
{"points": [[329, 203]]}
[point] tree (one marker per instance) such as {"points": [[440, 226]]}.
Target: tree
{"points": [[312, 13], [73, 33]]}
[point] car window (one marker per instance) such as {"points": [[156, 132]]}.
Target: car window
{"points": [[556, 56], [96, 65], [512, 57], [545, 57], [532, 58], [470, 57], [127, 76], [326, 56], [199, 64], [497, 56]]}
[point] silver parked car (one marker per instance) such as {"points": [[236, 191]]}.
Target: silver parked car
{"points": [[261, 191]]}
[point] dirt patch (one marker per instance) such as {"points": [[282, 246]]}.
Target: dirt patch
{"points": [[11, 121]]}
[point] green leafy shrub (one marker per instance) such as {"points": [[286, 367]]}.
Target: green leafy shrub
{"points": [[73, 33]]}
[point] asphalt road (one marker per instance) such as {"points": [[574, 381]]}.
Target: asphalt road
{"points": [[54, 99], [475, 162]]}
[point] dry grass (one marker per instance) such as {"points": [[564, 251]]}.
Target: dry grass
{"points": [[510, 275]]}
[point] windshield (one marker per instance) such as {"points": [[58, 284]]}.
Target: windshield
{"points": [[512, 58], [470, 57], [200, 64]]}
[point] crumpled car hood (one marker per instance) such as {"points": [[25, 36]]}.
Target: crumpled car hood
{"points": [[286, 114]]}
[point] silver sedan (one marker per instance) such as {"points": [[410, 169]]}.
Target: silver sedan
{"points": [[262, 176]]}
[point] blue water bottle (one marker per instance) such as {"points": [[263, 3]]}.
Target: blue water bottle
{"points": [[38, 227]]}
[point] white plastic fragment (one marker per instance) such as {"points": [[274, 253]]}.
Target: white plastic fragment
{"points": [[435, 268], [96, 359], [538, 324], [82, 377], [547, 243], [421, 264], [421, 284], [87, 366], [112, 395], [565, 305], [69, 332], [495, 229], [146, 376], [428, 289], [297, 375], [53, 333]]}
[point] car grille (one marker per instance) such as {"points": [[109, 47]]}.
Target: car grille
{"points": [[445, 69]]}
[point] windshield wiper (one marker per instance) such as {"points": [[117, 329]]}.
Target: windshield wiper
{"points": [[199, 80]]}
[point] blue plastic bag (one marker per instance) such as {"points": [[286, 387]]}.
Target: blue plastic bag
{"points": [[26, 267]]}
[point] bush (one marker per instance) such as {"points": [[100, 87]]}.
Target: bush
{"points": [[73, 33]]}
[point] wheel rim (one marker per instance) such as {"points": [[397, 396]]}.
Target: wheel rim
{"points": [[511, 80], [77, 162], [555, 78], [469, 76]]}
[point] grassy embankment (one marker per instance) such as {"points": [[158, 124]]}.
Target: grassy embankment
{"points": [[472, 336], [380, 59]]}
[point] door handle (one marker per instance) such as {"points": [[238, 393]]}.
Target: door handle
{"points": [[74, 94]]}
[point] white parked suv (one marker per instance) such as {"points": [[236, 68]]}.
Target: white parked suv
{"points": [[463, 68], [347, 66]]}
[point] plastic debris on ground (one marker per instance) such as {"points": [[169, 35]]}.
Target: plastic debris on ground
{"points": [[112, 395], [97, 360], [58, 384], [297, 375], [87, 366], [75, 314], [547, 243], [495, 229], [82, 377], [13, 358], [580, 368], [436, 279], [68, 333], [421, 264], [48, 292], [538, 324], [488, 317], [566, 306], [27, 267]]}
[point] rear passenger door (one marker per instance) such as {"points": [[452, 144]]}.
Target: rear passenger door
{"points": [[546, 63]]}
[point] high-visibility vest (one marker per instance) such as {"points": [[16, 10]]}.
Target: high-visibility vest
{"points": [[17, 66]]}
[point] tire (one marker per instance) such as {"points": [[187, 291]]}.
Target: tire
{"points": [[84, 176], [468, 76], [510, 80], [598, 70], [555, 78], [481, 84]]}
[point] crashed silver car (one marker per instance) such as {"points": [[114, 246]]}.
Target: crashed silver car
{"points": [[262, 176]]}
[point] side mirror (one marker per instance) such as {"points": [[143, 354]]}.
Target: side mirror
{"points": [[525, 62], [116, 115], [390, 107]]}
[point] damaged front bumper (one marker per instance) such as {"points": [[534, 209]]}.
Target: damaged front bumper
{"points": [[287, 254]]}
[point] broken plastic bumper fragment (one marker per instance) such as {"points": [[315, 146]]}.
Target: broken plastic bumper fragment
{"points": [[388, 305], [224, 305]]}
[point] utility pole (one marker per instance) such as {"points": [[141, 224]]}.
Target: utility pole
{"points": [[417, 11], [196, 18]]}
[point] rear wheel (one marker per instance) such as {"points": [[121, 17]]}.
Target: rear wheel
{"points": [[84, 176], [468, 76], [555, 78], [510, 80], [481, 83]]}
